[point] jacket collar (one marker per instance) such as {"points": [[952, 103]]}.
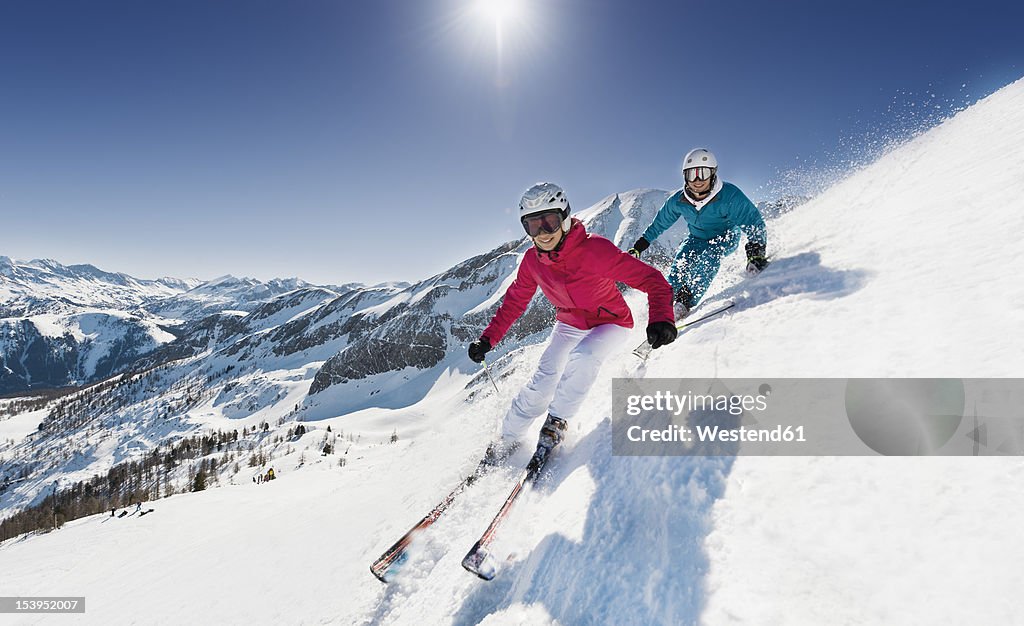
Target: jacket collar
{"points": [[700, 204]]}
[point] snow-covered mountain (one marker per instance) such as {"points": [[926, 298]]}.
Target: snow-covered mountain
{"points": [[73, 325], [50, 350], [902, 269], [46, 286], [225, 293]]}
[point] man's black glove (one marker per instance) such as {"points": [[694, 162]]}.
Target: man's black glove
{"points": [[638, 247], [478, 349], [661, 334], [756, 259]]}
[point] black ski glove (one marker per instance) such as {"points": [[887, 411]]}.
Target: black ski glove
{"points": [[661, 334], [756, 259], [638, 247], [478, 349]]}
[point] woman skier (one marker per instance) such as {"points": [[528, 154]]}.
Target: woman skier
{"points": [[577, 271]]}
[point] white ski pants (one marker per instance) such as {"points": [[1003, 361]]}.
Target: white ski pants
{"points": [[566, 372]]}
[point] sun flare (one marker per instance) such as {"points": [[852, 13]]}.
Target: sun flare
{"points": [[499, 11]]}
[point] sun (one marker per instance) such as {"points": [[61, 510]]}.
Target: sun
{"points": [[499, 11], [503, 35], [507, 17]]}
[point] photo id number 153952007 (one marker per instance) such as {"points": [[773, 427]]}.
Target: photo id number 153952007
{"points": [[41, 605]]}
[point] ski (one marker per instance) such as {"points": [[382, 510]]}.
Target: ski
{"points": [[479, 559], [644, 349], [397, 553]]}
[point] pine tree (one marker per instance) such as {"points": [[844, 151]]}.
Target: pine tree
{"points": [[199, 483]]}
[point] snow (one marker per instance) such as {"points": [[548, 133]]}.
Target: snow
{"points": [[51, 326], [906, 268], [17, 427]]}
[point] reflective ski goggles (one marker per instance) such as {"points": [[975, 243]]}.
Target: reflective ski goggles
{"points": [[542, 222], [698, 173]]}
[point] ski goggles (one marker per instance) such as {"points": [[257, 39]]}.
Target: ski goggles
{"points": [[698, 173], [542, 222]]}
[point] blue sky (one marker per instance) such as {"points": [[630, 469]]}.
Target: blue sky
{"points": [[384, 140]]}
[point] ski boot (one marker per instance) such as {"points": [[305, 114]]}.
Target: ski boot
{"points": [[552, 432], [681, 304]]}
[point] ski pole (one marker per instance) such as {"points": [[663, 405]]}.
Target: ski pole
{"points": [[487, 370], [704, 317]]}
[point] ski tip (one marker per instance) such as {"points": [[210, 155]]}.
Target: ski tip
{"points": [[480, 563], [379, 575], [483, 573]]}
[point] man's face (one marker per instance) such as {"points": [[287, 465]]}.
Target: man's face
{"points": [[699, 187]]}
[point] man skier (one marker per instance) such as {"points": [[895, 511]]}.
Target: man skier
{"points": [[715, 212], [577, 272]]}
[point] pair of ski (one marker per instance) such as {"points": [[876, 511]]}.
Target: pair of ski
{"points": [[479, 559]]}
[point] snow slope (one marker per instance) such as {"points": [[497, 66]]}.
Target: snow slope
{"points": [[906, 268]]}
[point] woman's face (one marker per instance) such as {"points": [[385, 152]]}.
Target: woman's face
{"points": [[548, 241]]}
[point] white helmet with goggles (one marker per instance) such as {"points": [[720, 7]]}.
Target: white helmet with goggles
{"points": [[547, 208], [700, 164]]}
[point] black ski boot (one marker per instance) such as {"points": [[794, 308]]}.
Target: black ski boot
{"points": [[552, 432]]}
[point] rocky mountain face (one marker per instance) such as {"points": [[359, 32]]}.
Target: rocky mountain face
{"points": [[50, 350]]}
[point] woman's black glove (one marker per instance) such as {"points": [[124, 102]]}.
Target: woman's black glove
{"points": [[478, 349], [661, 334]]}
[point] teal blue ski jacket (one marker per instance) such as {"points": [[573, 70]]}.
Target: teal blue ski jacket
{"points": [[729, 209]]}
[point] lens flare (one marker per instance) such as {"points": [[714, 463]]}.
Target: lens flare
{"points": [[499, 10], [507, 16]]}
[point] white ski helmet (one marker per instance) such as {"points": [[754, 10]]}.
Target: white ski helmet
{"points": [[699, 157], [543, 197]]}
